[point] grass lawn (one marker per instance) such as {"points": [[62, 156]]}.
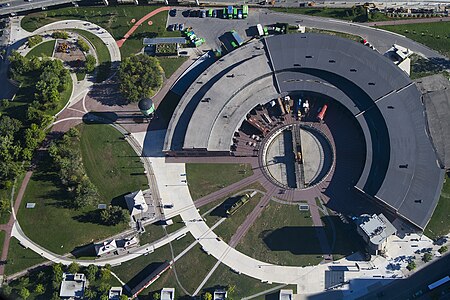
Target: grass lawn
{"points": [[218, 212], [50, 223], [20, 258], [43, 49], [352, 37], [152, 234], [287, 239], [244, 285], [25, 95], [203, 179], [171, 64], [193, 267], [177, 224], [439, 224], [110, 162], [135, 270], [336, 13], [104, 58], [115, 19], [434, 35], [344, 240], [228, 228]]}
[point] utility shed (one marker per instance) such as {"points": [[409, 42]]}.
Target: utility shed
{"points": [[435, 91]]}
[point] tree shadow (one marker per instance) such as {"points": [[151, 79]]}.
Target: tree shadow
{"points": [[142, 275], [107, 93], [92, 216], [120, 201]]}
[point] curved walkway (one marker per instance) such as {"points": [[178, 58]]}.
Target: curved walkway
{"points": [[138, 23]]}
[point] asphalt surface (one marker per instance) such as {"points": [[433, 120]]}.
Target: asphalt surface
{"points": [[406, 288], [210, 29]]}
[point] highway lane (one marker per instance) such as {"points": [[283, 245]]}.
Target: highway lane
{"points": [[16, 6]]}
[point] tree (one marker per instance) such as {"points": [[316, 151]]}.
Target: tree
{"points": [[207, 296], [9, 126], [18, 63], [34, 40], [55, 296], [24, 293], [6, 290], [86, 193], [411, 265], [104, 297], [140, 76], [82, 44], [104, 287], [90, 294], [4, 205], [91, 272], [427, 257], [34, 135], [60, 35], [57, 273], [156, 296], [443, 249], [123, 297], [105, 274], [90, 63], [114, 215], [73, 268], [39, 289]]}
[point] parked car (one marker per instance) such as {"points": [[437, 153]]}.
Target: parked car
{"points": [[173, 12], [181, 27], [170, 28], [5, 4], [214, 13], [175, 27], [203, 14], [194, 13]]}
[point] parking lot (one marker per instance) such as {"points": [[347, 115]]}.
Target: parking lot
{"points": [[212, 28]]}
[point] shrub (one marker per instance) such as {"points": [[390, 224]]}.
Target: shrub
{"points": [[443, 249], [34, 40], [60, 35], [83, 45], [411, 265]]}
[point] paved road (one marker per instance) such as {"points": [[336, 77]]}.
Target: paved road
{"points": [[21, 5]]}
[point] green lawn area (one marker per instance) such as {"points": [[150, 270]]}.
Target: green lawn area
{"points": [[336, 13], [439, 224], [227, 229], [133, 271], [352, 37], [152, 233], [434, 35], [288, 239], [104, 58], [51, 224], [193, 267], [177, 224], [25, 95], [43, 49], [20, 258], [203, 179], [245, 286], [171, 64], [115, 19], [110, 162]]}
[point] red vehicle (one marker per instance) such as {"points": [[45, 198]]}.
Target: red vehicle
{"points": [[322, 112]]}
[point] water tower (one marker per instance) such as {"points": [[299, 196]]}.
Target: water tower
{"points": [[146, 107]]}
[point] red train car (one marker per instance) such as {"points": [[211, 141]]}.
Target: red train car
{"points": [[322, 112]]}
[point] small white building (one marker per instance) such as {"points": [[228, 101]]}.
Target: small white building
{"points": [[107, 247], [167, 294], [73, 286], [286, 294], [138, 207], [220, 295], [376, 231], [400, 56], [115, 293]]}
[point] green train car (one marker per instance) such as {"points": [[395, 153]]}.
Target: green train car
{"points": [[238, 204]]}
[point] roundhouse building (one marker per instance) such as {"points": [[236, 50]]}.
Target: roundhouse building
{"points": [[400, 168]]}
